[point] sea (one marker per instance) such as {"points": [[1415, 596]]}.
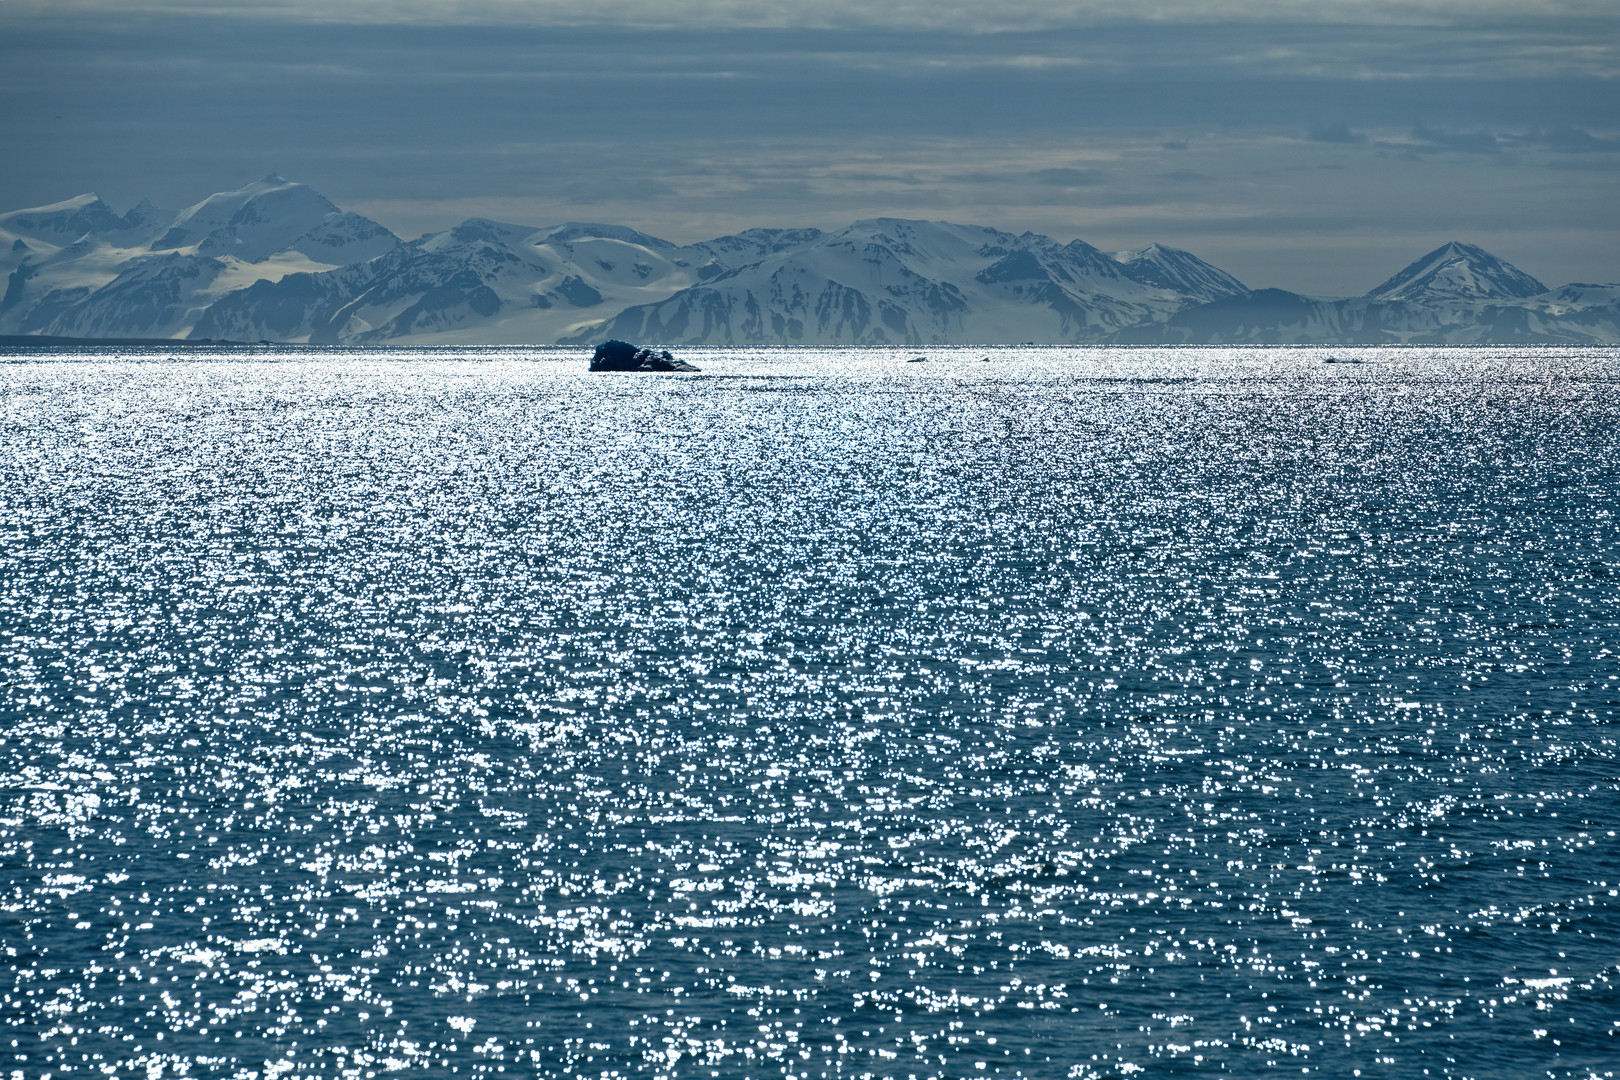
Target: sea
{"points": [[858, 713]]}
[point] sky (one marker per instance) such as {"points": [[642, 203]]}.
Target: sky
{"points": [[1312, 147]]}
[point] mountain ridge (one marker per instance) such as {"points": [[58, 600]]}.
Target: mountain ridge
{"points": [[275, 260]]}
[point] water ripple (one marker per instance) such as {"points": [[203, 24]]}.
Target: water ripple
{"points": [[1079, 713]]}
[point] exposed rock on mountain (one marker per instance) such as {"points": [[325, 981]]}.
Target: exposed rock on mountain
{"points": [[277, 261], [1273, 316], [888, 281], [1181, 271], [64, 222], [153, 298], [84, 271], [482, 282], [272, 217]]}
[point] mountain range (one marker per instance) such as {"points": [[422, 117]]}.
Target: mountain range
{"points": [[276, 261]]}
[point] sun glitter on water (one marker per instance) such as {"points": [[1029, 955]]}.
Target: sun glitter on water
{"points": [[1078, 713]]}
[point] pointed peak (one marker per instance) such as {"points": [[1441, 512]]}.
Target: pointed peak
{"points": [[1458, 271], [1457, 249], [1137, 254], [1078, 246], [1166, 267]]}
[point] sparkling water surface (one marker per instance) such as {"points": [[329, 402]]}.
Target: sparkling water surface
{"points": [[1024, 712]]}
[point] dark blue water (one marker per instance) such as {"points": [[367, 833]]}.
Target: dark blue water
{"points": [[1047, 713]]}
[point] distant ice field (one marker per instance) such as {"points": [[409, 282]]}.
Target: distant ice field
{"points": [[1046, 712]]}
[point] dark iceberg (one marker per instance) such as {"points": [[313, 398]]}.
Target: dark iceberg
{"points": [[623, 356]]}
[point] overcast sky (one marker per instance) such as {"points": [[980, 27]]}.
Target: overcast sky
{"points": [[1311, 147]]}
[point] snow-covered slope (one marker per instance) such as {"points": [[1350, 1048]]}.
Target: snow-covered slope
{"points": [[58, 256], [275, 216], [892, 281], [60, 223], [482, 282], [1454, 272], [1273, 316], [77, 269], [1182, 271], [277, 261], [750, 246]]}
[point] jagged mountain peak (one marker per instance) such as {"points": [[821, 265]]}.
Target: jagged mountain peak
{"points": [[276, 260], [759, 242], [145, 212], [884, 224], [1154, 252], [777, 235], [1458, 271], [1166, 267], [896, 280], [63, 222]]}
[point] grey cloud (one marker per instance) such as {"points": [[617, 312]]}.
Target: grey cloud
{"points": [[1335, 133], [908, 179], [1563, 140], [1462, 142], [1581, 163], [1569, 140], [1069, 178], [958, 15], [1157, 129], [604, 189], [780, 191]]}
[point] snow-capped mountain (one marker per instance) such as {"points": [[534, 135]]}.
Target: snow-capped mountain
{"points": [[1274, 316], [1181, 271], [61, 223], [1458, 271], [482, 282], [1457, 294], [75, 268], [751, 245], [273, 217], [277, 261], [875, 281], [891, 281]]}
